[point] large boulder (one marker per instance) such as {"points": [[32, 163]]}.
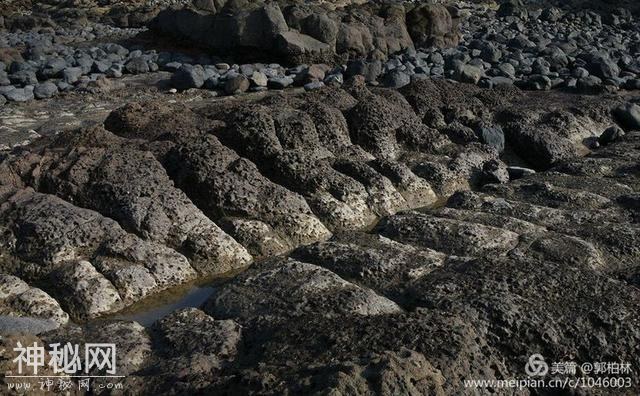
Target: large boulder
{"points": [[431, 24], [251, 28], [302, 33]]}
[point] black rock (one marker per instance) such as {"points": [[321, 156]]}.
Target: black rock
{"points": [[589, 85], [52, 68], [370, 70], [188, 76], [397, 79], [628, 116], [602, 66], [610, 135], [23, 77], [539, 82], [280, 82]]}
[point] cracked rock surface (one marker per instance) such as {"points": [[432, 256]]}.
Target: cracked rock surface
{"points": [[397, 241]]}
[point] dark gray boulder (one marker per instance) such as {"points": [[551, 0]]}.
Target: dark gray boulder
{"points": [[397, 79], [71, 75], [23, 78], [492, 135], [188, 76], [628, 115], [20, 94], [309, 33], [610, 135], [45, 90]]}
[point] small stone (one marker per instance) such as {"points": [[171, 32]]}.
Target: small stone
{"points": [[507, 70], [518, 172], [610, 135], [602, 66], [112, 48], [45, 90], [115, 71], [70, 75], [501, 82], [172, 66], [247, 70], [52, 68], [470, 74], [188, 76], [492, 136], [589, 84], [491, 54], [313, 85], [334, 79], [137, 66], [580, 72], [316, 73], [396, 79], [20, 94], [280, 82], [259, 79], [237, 85], [539, 82], [100, 66], [212, 83], [23, 77], [4, 78], [495, 171]]}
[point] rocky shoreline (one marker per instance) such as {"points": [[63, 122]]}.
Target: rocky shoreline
{"points": [[310, 172], [538, 50], [429, 209]]}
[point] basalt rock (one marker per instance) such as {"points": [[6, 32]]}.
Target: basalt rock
{"points": [[309, 33]]}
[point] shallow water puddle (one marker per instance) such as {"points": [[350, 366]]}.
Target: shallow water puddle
{"points": [[147, 314], [157, 306]]}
